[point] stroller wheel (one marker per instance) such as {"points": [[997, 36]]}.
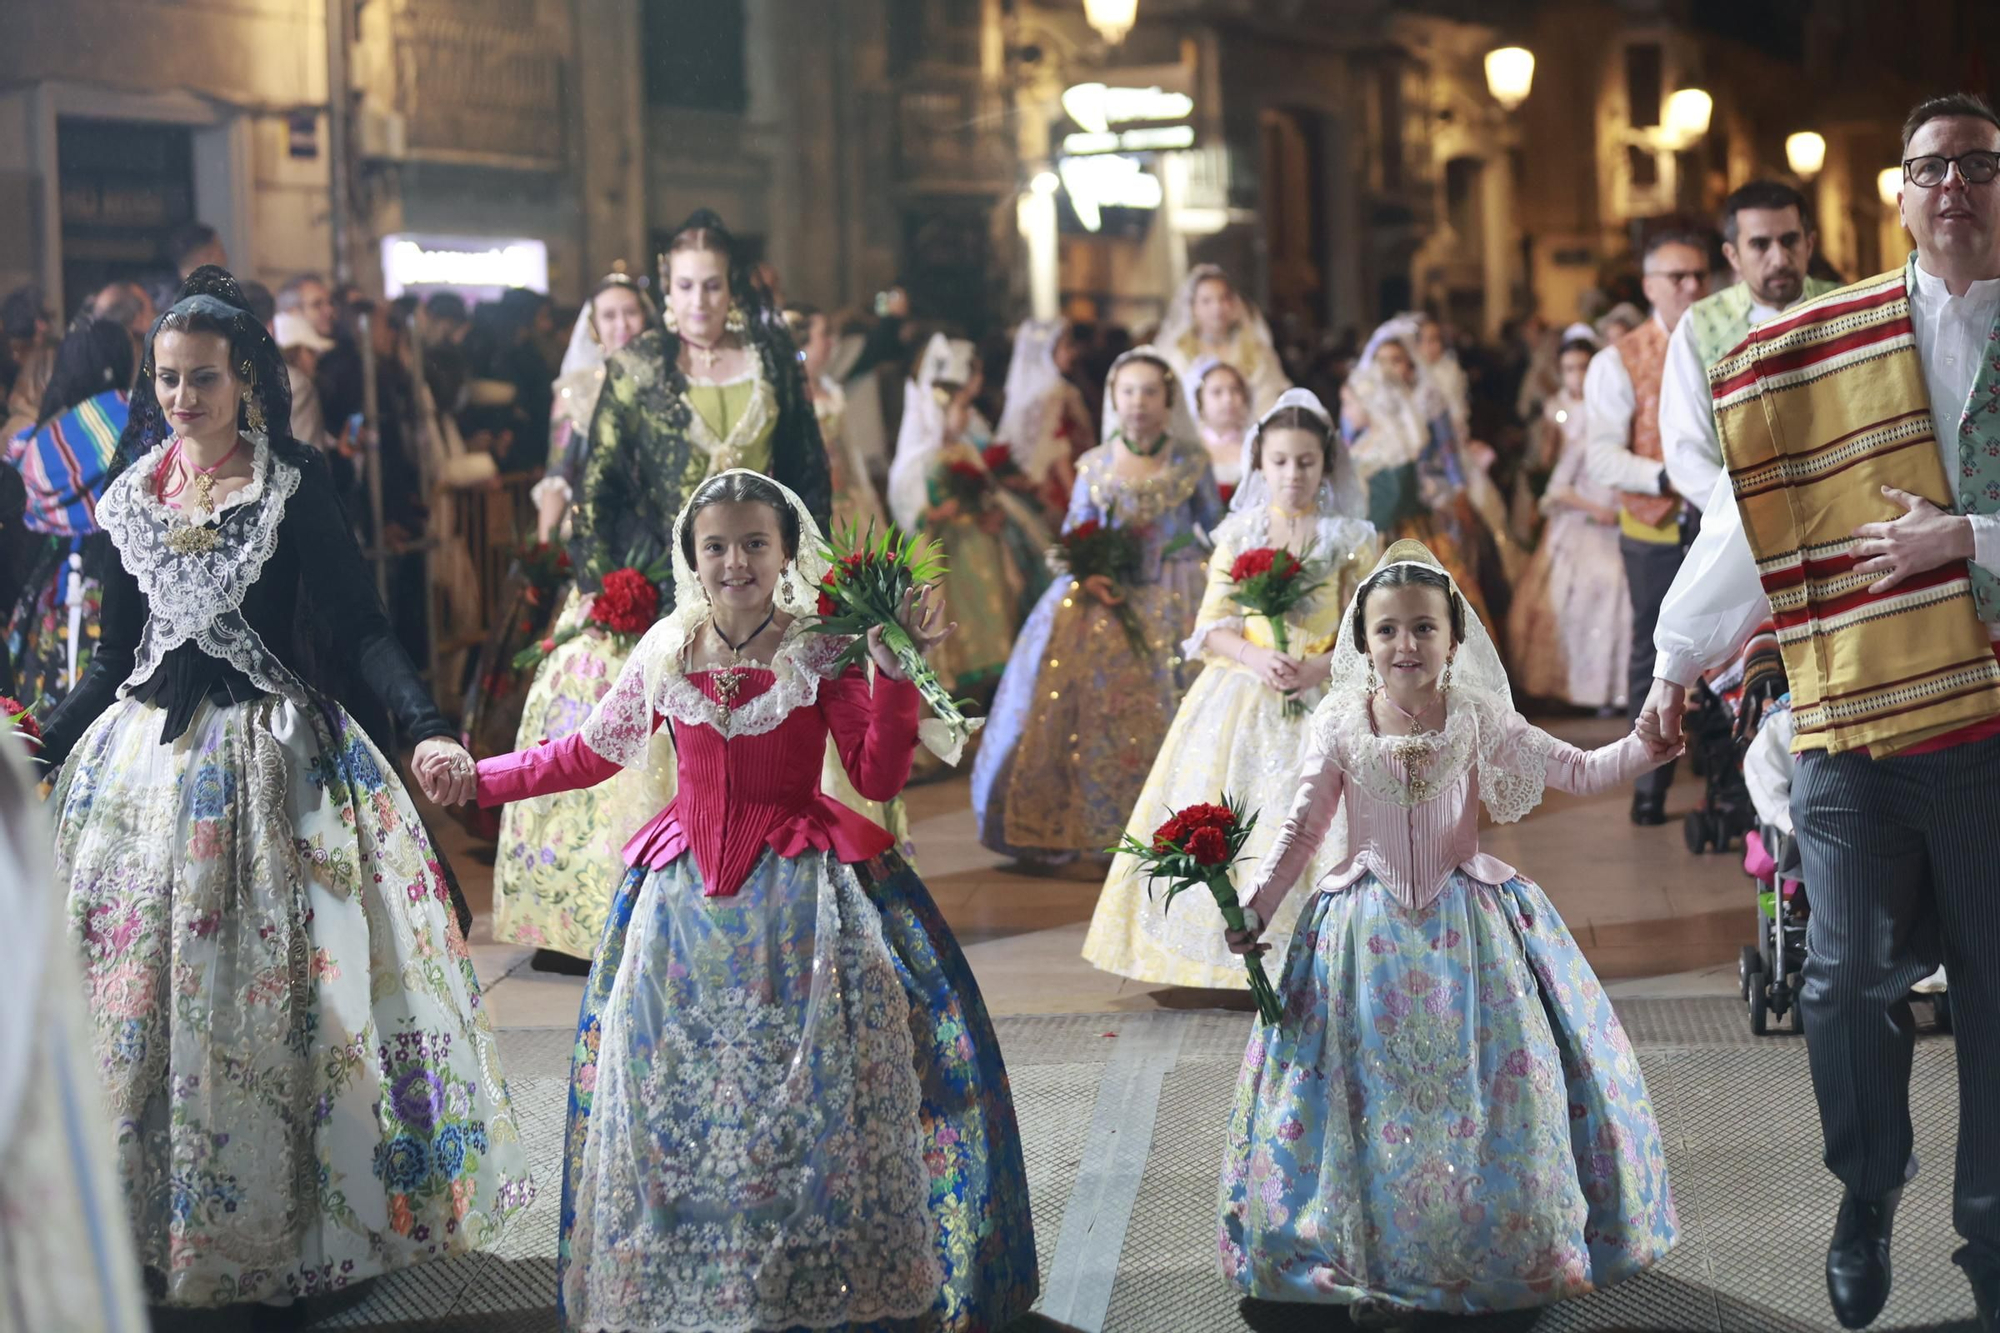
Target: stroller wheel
{"points": [[1748, 962], [1760, 1005]]}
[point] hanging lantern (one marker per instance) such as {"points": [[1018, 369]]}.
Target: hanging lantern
{"points": [[1687, 115], [1112, 18], [1510, 73], [1889, 184], [1805, 153]]}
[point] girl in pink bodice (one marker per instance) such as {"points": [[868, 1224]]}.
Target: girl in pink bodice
{"points": [[1450, 1117], [787, 1106]]}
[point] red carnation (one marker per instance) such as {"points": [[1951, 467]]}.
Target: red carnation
{"points": [[1207, 814], [627, 604], [22, 719], [997, 457], [1084, 530], [1252, 563], [1208, 846], [1169, 834], [827, 606], [1228, 491], [971, 471]]}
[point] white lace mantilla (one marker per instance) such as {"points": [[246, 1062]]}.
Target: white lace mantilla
{"points": [[655, 682], [1512, 762], [197, 597]]}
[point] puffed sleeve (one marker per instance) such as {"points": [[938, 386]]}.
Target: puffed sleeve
{"points": [[1320, 785], [1218, 608], [874, 729]]}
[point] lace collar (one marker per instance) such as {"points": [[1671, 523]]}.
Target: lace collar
{"points": [[1393, 769], [1143, 500], [253, 491], [803, 659]]}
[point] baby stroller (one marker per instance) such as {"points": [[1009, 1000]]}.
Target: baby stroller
{"points": [[1718, 725], [1770, 971]]}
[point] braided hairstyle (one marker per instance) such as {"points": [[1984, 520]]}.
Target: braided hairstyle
{"points": [[1407, 574]]}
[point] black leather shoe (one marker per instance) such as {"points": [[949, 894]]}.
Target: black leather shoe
{"points": [[1649, 811], [1985, 1281], [1857, 1263]]}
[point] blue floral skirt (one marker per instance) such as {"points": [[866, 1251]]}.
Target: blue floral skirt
{"points": [[1450, 1117], [788, 1109]]}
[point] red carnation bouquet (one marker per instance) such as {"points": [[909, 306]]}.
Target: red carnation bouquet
{"points": [[23, 718], [865, 588], [1272, 582], [626, 605], [1197, 846], [1091, 548]]}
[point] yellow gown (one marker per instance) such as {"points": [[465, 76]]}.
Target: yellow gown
{"points": [[1231, 736]]}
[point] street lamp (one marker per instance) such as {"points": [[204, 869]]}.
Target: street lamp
{"points": [[1112, 18], [1510, 73], [1889, 184], [1687, 115], [1805, 153]]}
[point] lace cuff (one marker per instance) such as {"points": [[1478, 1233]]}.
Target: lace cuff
{"points": [[550, 485], [1192, 647]]}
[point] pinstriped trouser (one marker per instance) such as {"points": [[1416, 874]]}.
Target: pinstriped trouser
{"points": [[1902, 863]]}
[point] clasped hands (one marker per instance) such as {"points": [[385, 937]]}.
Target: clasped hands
{"points": [[444, 771], [1283, 671]]}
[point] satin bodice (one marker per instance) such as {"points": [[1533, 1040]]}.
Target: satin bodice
{"points": [[1413, 828], [737, 795]]}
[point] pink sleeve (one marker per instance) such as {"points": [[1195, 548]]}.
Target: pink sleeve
{"points": [[1300, 836], [1583, 772], [552, 766], [874, 732]]}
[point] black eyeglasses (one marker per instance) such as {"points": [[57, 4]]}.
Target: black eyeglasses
{"points": [[1974, 168]]}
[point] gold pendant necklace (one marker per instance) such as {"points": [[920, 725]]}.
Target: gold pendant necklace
{"points": [[729, 679], [1414, 753]]}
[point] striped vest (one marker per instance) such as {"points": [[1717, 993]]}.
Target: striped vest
{"points": [[1643, 352], [1817, 410]]}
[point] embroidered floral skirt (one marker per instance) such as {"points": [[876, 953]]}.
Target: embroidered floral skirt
{"points": [[560, 856], [1079, 716], [788, 1108], [1230, 736], [1450, 1117], [302, 1084]]}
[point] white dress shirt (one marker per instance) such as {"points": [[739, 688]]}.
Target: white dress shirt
{"points": [[1609, 402], [1717, 600], [1687, 413]]}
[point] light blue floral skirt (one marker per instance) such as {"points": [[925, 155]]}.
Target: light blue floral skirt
{"points": [[1450, 1118], [788, 1109]]}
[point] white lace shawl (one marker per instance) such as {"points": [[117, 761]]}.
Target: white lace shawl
{"points": [[1512, 762], [1336, 538], [198, 597], [655, 682]]}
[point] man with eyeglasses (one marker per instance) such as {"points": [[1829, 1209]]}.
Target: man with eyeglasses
{"points": [[1622, 444], [1768, 239], [1862, 510]]}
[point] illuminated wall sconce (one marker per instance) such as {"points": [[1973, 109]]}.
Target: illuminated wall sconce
{"points": [[1687, 116], [1805, 153], [1112, 18], [1510, 73], [1889, 184]]}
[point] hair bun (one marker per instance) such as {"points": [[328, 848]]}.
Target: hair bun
{"points": [[216, 281]]}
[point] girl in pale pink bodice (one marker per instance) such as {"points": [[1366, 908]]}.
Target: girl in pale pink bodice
{"points": [[1449, 1117]]}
